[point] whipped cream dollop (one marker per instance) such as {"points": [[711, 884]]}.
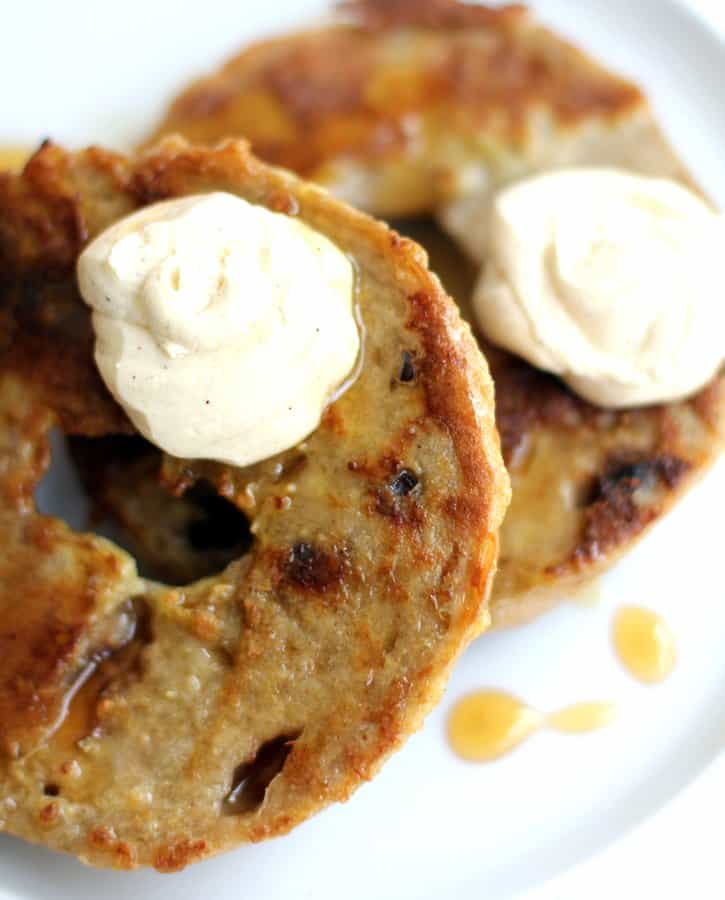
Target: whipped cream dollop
{"points": [[222, 328], [608, 279]]}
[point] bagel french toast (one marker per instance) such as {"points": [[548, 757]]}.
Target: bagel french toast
{"points": [[151, 724]]}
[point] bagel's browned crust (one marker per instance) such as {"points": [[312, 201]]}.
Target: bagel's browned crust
{"points": [[53, 584], [403, 107], [46, 334], [248, 701]]}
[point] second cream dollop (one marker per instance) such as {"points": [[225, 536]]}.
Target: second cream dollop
{"points": [[607, 279], [222, 328]]}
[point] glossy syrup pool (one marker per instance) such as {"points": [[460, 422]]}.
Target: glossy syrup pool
{"points": [[487, 724], [644, 643]]}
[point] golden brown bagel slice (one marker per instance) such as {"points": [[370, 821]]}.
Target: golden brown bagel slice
{"points": [[405, 105], [231, 709]]}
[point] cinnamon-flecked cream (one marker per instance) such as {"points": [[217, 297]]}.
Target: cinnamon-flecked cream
{"points": [[222, 328], [608, 279]]}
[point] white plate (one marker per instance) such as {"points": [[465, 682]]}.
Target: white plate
{"points": [[429, 825]]}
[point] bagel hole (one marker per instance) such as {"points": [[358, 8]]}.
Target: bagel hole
{"points": [[252, 778], [110, 486]]}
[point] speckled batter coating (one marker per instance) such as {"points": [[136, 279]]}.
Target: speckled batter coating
{"points": [[149, 725]]}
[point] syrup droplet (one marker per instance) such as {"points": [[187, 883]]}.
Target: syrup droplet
{"points": [[12, 159], [78, 715], [581, 717], [487, 724], [644, 643]]}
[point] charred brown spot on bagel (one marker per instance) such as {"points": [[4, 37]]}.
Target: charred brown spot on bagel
{"points": [[625, 473], [315, 567], [624, 499]]}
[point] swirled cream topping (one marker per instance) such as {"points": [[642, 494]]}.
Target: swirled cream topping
{"points": [[607, 279], [223, 329]]}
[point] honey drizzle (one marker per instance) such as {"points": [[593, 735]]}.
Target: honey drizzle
{"points": [[580, 718], [488, 724], [644, 644], [78, 715]]}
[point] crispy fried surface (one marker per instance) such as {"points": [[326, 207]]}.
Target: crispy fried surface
{"points": [[61, 594], [407, 105], [46, 332], [245, 702]]}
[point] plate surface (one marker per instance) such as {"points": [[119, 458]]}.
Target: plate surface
{"points": [[429, 825]]}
